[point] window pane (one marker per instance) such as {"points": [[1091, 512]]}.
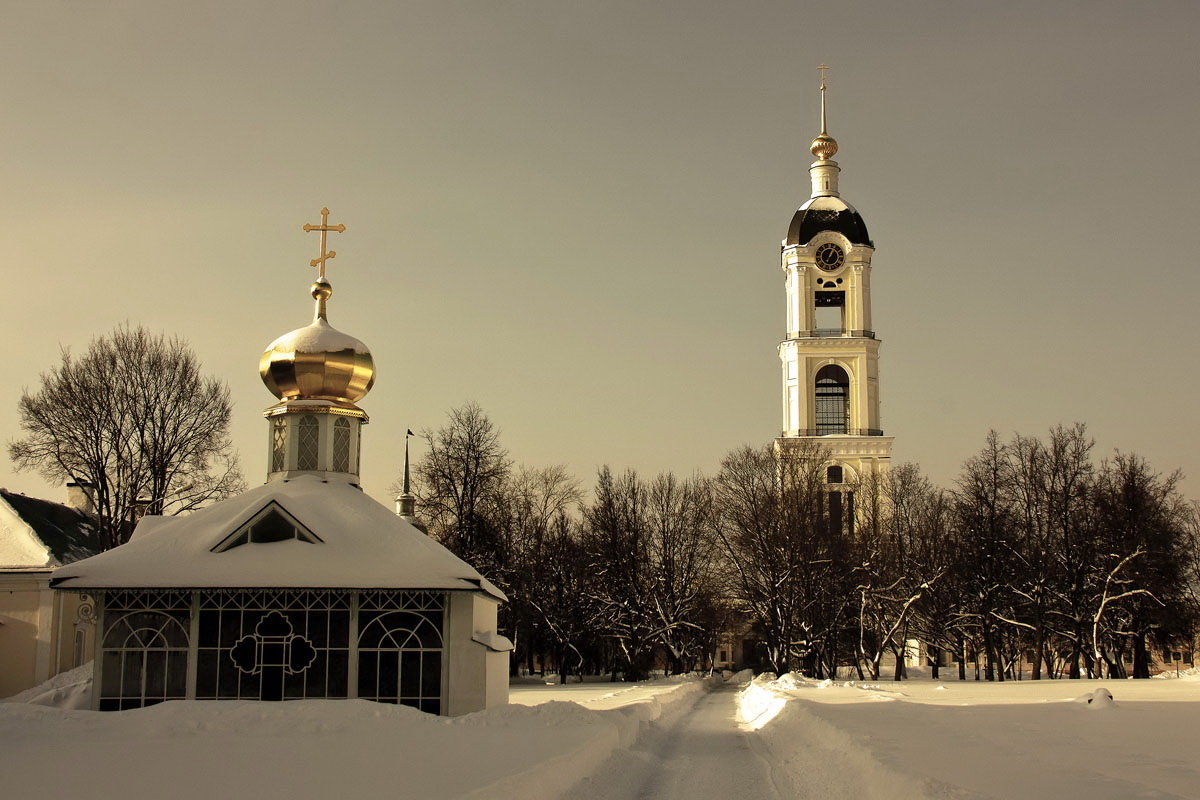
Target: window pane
{"points": [[832, 400], [307, 443], [341, 446], [278, 445]]}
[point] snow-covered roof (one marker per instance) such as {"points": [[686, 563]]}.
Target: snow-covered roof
{"points": [[359, 544], [38, 533]]}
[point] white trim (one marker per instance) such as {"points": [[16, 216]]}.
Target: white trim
{"points": [[352, 665], [193, 656]]}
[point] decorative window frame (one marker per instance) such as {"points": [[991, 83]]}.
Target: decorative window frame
{"points": [[187, 605], [308, 443]]}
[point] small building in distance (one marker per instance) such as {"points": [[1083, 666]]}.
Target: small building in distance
{"points": [[42, 632], [304, 587]]}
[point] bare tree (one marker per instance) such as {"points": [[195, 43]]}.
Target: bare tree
{"points": [[899, 511], [618, 542], [1143, 532], [986, 517], [529, 510], [135, 417], [684, 558], [560, 595], [457, 483], [773, 528]]}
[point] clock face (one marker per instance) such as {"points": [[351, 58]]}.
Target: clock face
{"points": [[829, 257]]}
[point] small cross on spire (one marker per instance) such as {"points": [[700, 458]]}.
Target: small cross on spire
{"points": [[325, 255], [822, 70]]}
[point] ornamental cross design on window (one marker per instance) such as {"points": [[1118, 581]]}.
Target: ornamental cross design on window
{"points": [[324, 228], [273, 646]]}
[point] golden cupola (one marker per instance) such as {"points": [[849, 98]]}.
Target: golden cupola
{"points": [[318, 362], [318, 373]]}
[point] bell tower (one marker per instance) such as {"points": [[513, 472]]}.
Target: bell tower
{"points": [[830, 356]]}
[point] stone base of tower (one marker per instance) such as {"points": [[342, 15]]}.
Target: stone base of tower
{"points": [[859, 456]]}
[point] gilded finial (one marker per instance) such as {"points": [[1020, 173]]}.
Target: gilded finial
{"points": [[321, 291], [824, 147]]}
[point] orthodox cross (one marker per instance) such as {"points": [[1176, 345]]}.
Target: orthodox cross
{"points": [[324, 228]]}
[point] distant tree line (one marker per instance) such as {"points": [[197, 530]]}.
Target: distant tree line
{"points": [[1040, 559]]}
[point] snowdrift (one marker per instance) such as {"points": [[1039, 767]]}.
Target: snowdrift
{"points": [[311, 748]]}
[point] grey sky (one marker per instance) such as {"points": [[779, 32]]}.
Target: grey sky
{"points": [[571, 213]]}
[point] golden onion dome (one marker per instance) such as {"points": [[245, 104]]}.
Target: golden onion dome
{"points": [[824, 147], [318, 362]]}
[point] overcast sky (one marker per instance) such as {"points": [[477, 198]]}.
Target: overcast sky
{"points": [[571, 212]]}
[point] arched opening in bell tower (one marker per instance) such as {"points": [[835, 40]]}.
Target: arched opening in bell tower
{"points": [[831, 396]]}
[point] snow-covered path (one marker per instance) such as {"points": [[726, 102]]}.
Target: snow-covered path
{"points": [[698, 752]]}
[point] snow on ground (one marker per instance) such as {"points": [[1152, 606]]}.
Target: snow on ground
{"points": [[1027, 739], [321, 748], [785, 738], [70, 689], [594, 696]]}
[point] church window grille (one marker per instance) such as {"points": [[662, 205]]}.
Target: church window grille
{"points": [[278, 445], [341, 445], [834, 474], [307, 443], [400, 649], [144, 651], [273, 645], [832, 396]]}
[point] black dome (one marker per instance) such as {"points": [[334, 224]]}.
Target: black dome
{"points": [[808, 222]]}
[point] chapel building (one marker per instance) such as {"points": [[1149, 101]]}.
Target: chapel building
{"points": [[304, 587]]}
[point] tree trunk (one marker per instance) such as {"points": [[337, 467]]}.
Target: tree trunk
{"points": [[1141, 660], [989, 651]]}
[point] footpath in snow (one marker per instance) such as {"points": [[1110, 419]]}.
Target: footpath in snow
{"points": [[697, 752]]}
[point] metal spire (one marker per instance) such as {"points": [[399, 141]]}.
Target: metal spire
{"points": [[406, 501], [824, 125]]}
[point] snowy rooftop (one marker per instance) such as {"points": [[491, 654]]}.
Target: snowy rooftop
{"points": [[39, 534], [344, 540]]}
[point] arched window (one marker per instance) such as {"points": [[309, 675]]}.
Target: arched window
{"points": [[145, 660], [307, 442], [278, 445], [832, 400], [341, 445], [400, 661]]}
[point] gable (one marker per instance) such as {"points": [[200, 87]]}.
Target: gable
{"points": [[271, 523], [364, 545]]}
